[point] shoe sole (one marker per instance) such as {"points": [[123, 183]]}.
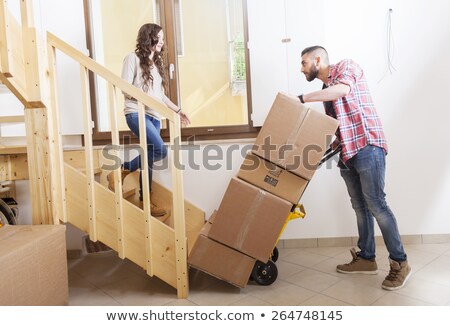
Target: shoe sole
{"points": [[357, 272], [400, 286]]}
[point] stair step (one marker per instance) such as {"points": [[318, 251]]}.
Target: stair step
{"points": [[96, 170], [129, 193]]}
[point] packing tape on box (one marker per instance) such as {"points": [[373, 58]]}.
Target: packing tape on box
{"points": [[248, 218], [293, 136]]}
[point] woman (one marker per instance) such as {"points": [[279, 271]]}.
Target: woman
{"points": [[144, 68]]}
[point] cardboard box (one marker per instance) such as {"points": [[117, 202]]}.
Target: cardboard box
{"points": [[294, 137], [276, 180], [249, 219], [221, 261], [33, 265]]}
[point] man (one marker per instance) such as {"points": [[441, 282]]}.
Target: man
{"points": [[347, 98]]}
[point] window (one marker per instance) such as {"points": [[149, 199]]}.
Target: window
{"points": [[206, 58]]}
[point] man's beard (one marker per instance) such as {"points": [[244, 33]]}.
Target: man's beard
{"points": [[314, 72]]}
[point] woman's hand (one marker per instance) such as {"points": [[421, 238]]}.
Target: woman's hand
{"points": [[184, 118]]}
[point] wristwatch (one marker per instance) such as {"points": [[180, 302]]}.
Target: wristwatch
{"points": [[300, 97]]}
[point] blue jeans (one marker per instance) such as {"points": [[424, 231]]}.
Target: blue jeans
{"points": [[364, 177], [155, 145]]}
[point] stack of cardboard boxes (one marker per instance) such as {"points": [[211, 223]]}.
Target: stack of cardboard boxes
{"points": [[271, 180]]}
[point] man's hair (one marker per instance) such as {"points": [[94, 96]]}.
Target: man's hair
{"points": [[313, 48]]}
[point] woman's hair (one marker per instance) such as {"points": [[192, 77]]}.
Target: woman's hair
{"points": [[146, 40]]}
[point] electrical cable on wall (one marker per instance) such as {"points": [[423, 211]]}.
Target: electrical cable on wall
{"points": [[390, 47]]}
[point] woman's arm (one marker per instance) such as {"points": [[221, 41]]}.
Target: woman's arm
{"points": [[183, 116]]}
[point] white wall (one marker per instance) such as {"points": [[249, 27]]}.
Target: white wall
{"points": [[65, 19], [411, 104]]}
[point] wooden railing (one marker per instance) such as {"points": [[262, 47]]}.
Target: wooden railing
{"points": [[21, 70], [115, 84]]}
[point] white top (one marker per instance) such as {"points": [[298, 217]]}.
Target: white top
{"points": [[132, 73]]}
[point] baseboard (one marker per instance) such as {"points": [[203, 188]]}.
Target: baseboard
{"points": [[352, 241]]}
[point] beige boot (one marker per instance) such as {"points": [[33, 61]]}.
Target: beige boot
{"points": [[155, 210], [110, 178], [398, 275], [358, 265]]}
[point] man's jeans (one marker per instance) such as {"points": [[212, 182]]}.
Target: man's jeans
{"points": [[364, 177], [155, 145]]}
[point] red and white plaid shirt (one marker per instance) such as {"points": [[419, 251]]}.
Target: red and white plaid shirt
{"points": [[359, 124]]}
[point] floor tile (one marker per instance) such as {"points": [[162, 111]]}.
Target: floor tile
{"points": [[428, 291], [323, 300], [353, 293], [285, 294], [140, 291], [218, 294], [304, 258], [286, 269], [83, 293], [396, 299], [313, 280]]}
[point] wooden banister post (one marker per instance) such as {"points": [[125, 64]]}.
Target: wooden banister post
{"points": [[178, 211], [32, 62]]}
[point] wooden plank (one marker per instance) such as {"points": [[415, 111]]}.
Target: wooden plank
{"points": [[194, 216], [90, 174], [55, 148], [12, 119], [145, 187], [38, 166], [15, 52], [163, 246], [77, 159], [4, 56], [13, 150], [181, 249], [76, 196], [30, 52], [118, 171], [112, 78], [13, 167], [15, 89]]}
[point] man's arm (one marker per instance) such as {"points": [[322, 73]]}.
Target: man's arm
{"points": [[328, 94]]}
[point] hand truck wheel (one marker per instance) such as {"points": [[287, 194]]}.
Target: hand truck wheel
{"points": [[275, 255], [264, 274]]}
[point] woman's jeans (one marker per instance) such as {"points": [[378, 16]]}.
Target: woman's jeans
{"points": [[364, 177], [155, 145]]}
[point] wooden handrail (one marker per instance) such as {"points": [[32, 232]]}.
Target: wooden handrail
{"points": [[112, 78]]}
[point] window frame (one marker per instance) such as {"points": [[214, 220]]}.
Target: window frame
{"points": [[210, 133]]}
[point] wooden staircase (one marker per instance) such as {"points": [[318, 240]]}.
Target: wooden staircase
{"points": [[69, 186]]}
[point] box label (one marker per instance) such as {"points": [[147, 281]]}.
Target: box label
{"points": [[271, 181]]}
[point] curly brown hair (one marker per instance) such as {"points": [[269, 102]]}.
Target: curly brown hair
{"points": [[146, 41]]}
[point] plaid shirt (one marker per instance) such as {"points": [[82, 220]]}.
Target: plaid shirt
{"points": [[359, 124]]}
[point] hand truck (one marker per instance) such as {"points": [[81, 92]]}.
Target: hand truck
{"points": [[267, 273]]}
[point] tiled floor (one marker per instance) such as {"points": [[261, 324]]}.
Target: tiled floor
{"points": [[307, 277]]}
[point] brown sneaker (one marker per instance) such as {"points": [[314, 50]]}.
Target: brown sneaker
{"points": [[110, 178], [158, 211], [155, 210], [398, 275], [358, 265]]}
